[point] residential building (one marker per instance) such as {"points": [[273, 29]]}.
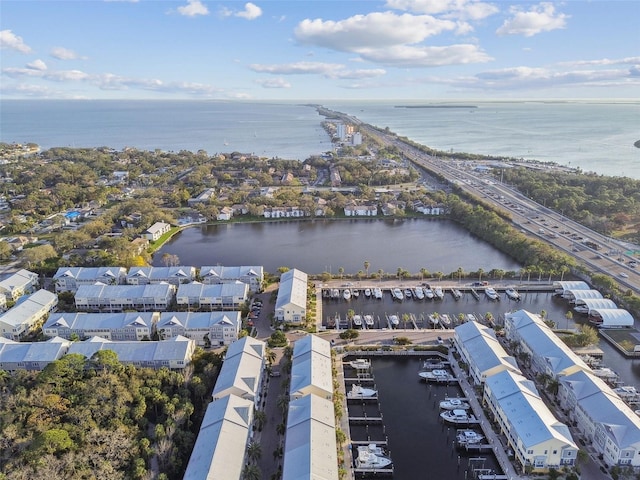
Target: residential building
{"points": [[68, 279], [154, 275], [18, 284], [224, 296], [25, 315], [284, 212], [175, 353], [251, 275], [203, 197], [205, 328], [242, 370], [155, 231], [134, 326], [30, 355], [291, 302], [116, 298], [226, 213], [311, 368], [353, 209]]}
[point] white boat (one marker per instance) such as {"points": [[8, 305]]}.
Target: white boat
{"points": [[437, 375], [470, 317], [418, 293], [396, 293], [408, 293], [372, 457], [428, 293], [358, 391], [491, 293], [457, 416], [357, 321], [445, 319], [360, 364], [438, 293], [346, 294], [468, 437], [454, 403], [394, 320], [377, 292], [434, 318], [456, 294], [368, 320], [355, 293], [367, 292], [512, 293], [335, 293], [627, 392]]}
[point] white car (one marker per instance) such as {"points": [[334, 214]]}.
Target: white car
{"points": [[624, 275]]}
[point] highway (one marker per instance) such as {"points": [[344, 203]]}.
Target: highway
{"points": [[531, 218]]}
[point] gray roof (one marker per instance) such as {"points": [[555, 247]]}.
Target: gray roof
{"points": [[482, 347], [198, 320], [614, 317], [596, 303], [162, 290], [90, 273], [28, 306], [160, 273], [584, 294], [241, 369], [292, 289], [177, 348], [230, 273], [18, 279], [310, 343], [311, 370], [16, 352], [565, 286], [218, 290], [92, 321]]}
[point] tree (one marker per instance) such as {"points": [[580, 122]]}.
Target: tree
{"points": [[367, 264], [37, 255], [259, 418], [568, 316], [405, 319], [254, 451], [251, 472]]}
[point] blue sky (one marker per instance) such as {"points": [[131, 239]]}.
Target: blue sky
{"points": [[318, 50]]}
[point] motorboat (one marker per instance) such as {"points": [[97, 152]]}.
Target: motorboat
{"points": [[457, 416], [377, 292], [360, 364], [454, 403], [358, 391], [491, 293], [433, 364], [394, 320], [367, 292], [437, 375], [372, 457], [627, 392], [418, 293], [438, 293], [408, 293], [513, 294], [445, 319], [396, 293], [428, 294], [355, 293], [368, 320], [346, 294], [468, 437], [470, 317], [357, 320], [335, 293], [434, 318]]}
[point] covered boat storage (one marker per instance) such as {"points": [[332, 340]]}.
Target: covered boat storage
{"points": [[574, 295], [561, 288], [611, 318], [586, 305]]}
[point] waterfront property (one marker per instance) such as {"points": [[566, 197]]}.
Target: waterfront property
{"points": [[30, 355], [205, 328], [174, 354], [222, 296], [153, 275], [155, 231], [538, 439], [251, 275], [291, 303], [480, 349], [68, 279], [18, 283], [311, 368], [116, 298], [241, 372], [120, 326], [25, 315]]}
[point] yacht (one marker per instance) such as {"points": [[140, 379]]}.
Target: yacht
{"points": [[627, 392], [346, 294], [513, 294], [355, 293], [368, 320], [372, 457], [428, 293], [360, 364], [418, 293], [394, 320], [470, 317], [491, 293], [434, 318], [468, 437], [457, 416], [396, 293], [377, 292], [438, 293], [437, 375], [358, 391], [357, 321], [454, 403], [408, 293], [367, 292], [445, 319], [335, 293]]}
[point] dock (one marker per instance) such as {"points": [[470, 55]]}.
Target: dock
{"points": [[364, 472], [365, 420]]}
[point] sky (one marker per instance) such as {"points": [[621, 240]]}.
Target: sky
{"points": [[319, 49]]}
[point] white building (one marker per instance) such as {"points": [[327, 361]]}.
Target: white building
{"points": [[563, 288], [26, 314], [356, 210], [224, 296], [219, 451], [155, 231], [18, 284], [152, 275], [480, 349], [251, 275], [310, 441], [241, 372], [134, 326], [205, 328], [30, 355], [68, 279], [539, 440], [116, 298], [311, 368], [602, 418], [175, 353], [291, 303], [611, 317]]}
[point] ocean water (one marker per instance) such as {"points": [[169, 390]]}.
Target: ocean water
{"points": [[596, 137]]}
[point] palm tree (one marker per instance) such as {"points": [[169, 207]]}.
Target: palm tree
{"points": [[259, 419], [380, 273], [283, 402], [405, 319], [460, 272], [341, 271], [271, 356], [251, 472], [568, 316], [480, 272], [366, 267], [424, 273], [254, 451]]}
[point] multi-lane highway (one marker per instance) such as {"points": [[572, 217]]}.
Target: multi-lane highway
{"points": [[610, 257]]}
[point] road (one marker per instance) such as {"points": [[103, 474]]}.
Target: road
{"points": [[531, 218]]}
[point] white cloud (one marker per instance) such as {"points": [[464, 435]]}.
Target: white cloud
{"points": [[604, 61], [409, 56], [37, 65], [273, 83], [11, 41], [251, 12], [193, 8], [327, 70], [540, 18], [62, 53], [462, 9]]}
